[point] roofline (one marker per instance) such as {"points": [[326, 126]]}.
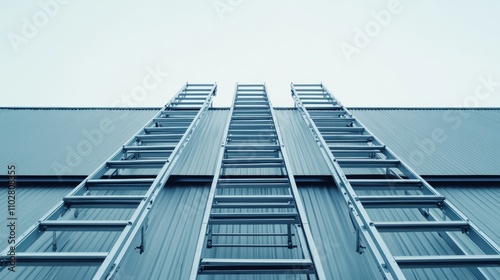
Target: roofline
{"points": [[423, 108], [225, 107]]}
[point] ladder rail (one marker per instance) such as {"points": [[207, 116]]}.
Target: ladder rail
{"points": [[24, 241], [485, 242], [310, 244], [111, 265], [200, 248], [382, 255], [384, 258], [30, 235]]}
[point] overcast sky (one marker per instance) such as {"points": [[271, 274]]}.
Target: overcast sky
{"points": [[368, 53]]}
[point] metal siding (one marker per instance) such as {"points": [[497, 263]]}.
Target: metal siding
{"points": [[439, 141], [31, 204], [304, 153], [42, 142], [177, 214], [36, 139], [199, 157], [479, 204]]}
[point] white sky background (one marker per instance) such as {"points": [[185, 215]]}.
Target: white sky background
{"points": [[90, 53]]}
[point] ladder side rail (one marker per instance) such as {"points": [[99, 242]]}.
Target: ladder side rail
{"points": [[200, 247], [122, 245], [26, 239], [310, 244], [383, 257], [479, 237]]}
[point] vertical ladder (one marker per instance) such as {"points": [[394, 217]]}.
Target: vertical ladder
{"points": [[383, 181], [254, 222], [129, 180]]}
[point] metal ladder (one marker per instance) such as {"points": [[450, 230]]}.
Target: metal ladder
{"points": [[142, 167], [384, 181], [254, 222]]}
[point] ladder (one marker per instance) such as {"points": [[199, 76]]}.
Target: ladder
{"points": [[254, 221], [383, 181], [128, 181]]}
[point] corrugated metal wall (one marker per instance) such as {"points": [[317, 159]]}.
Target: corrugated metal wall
{"points": [[65, 142], [439, 141], [46, 142], [176, 218]]}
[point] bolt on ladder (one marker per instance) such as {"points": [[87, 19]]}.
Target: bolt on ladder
{"points": [[141, 167], [254, 222], [383, 181]]}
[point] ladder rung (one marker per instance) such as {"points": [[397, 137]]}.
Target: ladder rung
{"points": [[252, 245], [447, 261], [104, 201], [253, 198], [390, 184], [401, 201], [422, 226], [253, 218], [150, 148], [186, 103], [331, 121], [83, 225], [252, 147], [368, 163], [251, 160], [119, 184], [149, 163], [255, 266], [253, 201], [158, 129], [341, 129], [254, 183], [356, 147], [348, 138], [231, 234], [58, 258], [174, 120], [160, 137]]}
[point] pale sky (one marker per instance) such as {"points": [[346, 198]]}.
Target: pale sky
{"points": [[368, 53]]}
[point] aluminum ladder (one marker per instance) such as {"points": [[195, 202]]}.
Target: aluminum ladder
{"points": [[383, 181], [141, 167], [254, 222]]}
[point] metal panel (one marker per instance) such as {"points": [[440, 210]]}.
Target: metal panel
{"points": [[428, 139], [200, 155], [176, 219], [480, 204], [306, 158], [32, 139], [65, 141]]}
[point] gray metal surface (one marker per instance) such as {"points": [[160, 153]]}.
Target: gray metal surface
{"points": [[31, 139], [66, 141], [176, 219], [171, 129], [428, 139], [347, 143]]}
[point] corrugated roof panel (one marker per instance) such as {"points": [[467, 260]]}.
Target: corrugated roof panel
{"points": [[480, 204], [439, 141], [304, 153], [199, 157], [31, 204], [65, 141]]}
